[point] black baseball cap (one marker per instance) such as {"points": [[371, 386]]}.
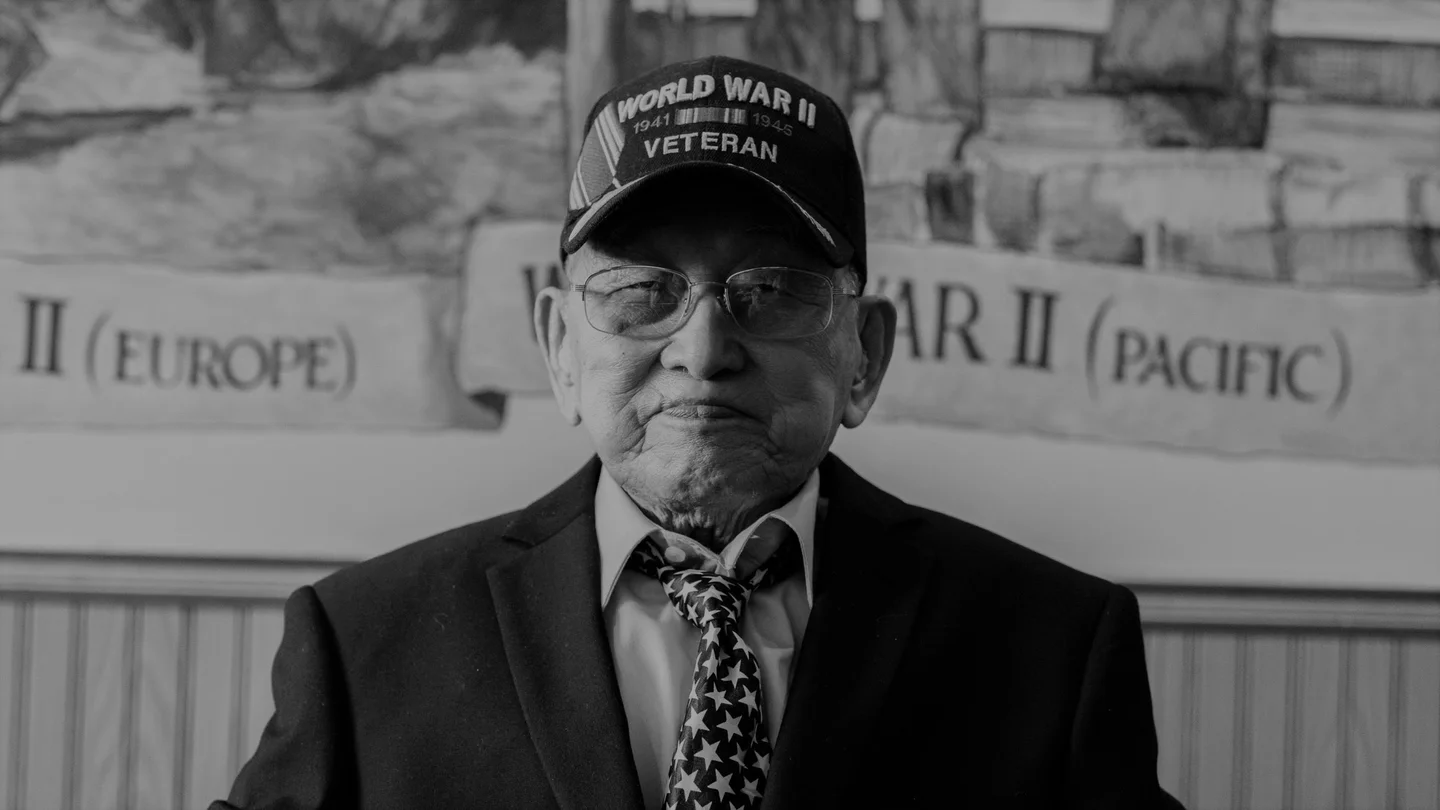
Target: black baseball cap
{"points": [[723, 112]]}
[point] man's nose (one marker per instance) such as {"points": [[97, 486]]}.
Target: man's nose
{"points": [[706, 344]]}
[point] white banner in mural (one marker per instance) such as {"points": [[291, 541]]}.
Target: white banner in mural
{"points": [[506, 267], [116, 344], [1017, 342]]}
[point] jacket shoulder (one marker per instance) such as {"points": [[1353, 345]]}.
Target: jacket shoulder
{"points": [[1009, 566], [1007, 570], [447, 572], [408, 573]]}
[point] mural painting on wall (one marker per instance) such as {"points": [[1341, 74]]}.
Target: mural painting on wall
{"points": [[1211, 225], [258, 212]]}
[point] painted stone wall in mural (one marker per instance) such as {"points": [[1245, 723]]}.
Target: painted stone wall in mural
{"points": [[1205, 224], [1212, 224], [258, 212]]}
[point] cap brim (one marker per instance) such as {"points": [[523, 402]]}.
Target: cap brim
{"points": [[837, 249]]}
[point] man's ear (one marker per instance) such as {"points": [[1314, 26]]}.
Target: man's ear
{"points": [[875, 322], [552, 332]]}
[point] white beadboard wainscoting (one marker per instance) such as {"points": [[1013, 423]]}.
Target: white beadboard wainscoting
{"points": [[143, 682]]}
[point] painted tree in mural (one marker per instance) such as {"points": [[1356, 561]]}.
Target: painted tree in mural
{"points": [[802, 39]]}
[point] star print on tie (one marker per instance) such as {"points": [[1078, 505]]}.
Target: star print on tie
{"points": [[723, 753]]}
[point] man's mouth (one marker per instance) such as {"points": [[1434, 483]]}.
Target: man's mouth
{"points": [[701, 409]]}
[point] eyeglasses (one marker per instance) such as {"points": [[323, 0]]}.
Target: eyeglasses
{"points": [[642, 302]]}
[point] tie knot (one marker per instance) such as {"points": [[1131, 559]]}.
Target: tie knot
{"points": [[703, 598]]}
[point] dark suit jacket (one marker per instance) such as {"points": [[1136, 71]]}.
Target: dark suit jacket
{"points": [[942, 666]]}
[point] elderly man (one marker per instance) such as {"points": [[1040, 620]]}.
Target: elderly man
{"points": [[715, 611]]}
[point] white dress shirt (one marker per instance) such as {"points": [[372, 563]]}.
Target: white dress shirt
{"points": [[655, 648]]}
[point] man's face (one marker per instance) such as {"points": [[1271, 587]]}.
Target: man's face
{"points": [[711, 414]]}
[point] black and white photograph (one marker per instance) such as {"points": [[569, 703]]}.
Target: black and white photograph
{"points": [[397, 409]]}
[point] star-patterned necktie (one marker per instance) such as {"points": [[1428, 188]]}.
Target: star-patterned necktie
{"points": [[722, 755]]}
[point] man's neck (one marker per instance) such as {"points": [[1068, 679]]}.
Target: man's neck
{"points": [[709, 527]]}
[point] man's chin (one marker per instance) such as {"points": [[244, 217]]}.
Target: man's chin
{"points": [[708, 465]]}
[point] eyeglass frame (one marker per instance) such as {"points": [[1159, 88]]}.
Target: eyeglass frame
{"points": [[691, 301]]}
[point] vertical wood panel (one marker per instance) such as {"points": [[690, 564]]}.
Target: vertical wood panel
{"points": [[212, 700], [130, 662], [156, 707], [1397, 722], [75, 703], [240, 689], [266, 625], [1189, 716], [1294, 709], [1344, 720], [47, 711], [1420, 742], [10, 614], [1319, 733], [21, 651], [185, 703], [1367, 742], [1215, 738], [1152, 646], [1164, 653], [102, 705], [1269, 720], [1242, 710]]}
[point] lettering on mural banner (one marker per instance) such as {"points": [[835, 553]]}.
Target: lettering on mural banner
{"points": [[1117, 354], [1303, 373], [1022, 343], [114, 343], [507, 266], [120, 353], [958, 311]]}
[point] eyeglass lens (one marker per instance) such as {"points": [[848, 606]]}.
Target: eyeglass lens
{"points": [[646, 302]]}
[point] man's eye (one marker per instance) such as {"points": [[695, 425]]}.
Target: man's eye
{"points": [[632, 287], [754, 292]]}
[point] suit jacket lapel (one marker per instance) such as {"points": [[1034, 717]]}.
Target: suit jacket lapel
{"points": [[547, 601], [854, 640]]}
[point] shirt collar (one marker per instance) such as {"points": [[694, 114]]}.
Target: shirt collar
{"points": [[620, 526]]}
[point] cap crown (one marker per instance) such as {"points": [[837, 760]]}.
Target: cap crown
{"points": [[723, 111]]}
